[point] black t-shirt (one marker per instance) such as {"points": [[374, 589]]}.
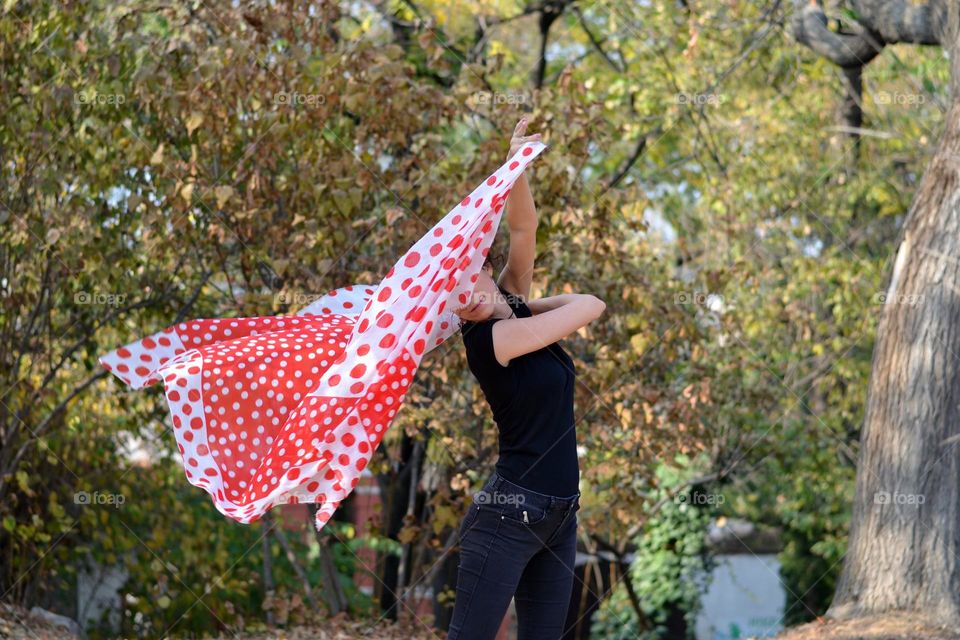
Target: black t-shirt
{"points": [[532, 403]]}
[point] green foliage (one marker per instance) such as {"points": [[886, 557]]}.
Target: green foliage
{"points": [[671, 564], [208, 160]]}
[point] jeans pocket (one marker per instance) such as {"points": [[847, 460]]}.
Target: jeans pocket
{"points": [[469, 519], [523, 514]]}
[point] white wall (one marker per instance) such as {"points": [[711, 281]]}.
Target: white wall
{"points": [[98, 589], [745, 599]]}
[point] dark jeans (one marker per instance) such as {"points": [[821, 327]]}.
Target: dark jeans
{"points": [[515, 543]]}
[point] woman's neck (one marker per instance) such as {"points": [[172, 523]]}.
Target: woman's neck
{"points": [[501, 311]]}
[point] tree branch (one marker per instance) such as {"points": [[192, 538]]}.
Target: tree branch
{"points": [[809, 27], [596, 43], [903, 20]]}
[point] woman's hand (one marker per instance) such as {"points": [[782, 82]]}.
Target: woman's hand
{"points": [[518, 139]]}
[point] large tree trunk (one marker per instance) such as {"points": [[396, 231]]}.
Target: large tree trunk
{"points": [[904, 546]]}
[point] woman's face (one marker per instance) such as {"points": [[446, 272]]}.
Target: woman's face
{"points": [[482, 301]]}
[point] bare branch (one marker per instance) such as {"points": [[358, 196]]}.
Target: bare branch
{"points": [[551, 10], [628, 164], [596, 43], [903, 20], [809, 27]]}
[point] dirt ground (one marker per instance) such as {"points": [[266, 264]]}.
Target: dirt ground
{"points": [[887, 627], [17, 623]]}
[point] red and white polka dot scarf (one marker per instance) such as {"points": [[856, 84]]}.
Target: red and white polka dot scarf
{"points": [[289, 409]]}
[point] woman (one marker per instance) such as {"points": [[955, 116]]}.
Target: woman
{"points": [[518, 539]]}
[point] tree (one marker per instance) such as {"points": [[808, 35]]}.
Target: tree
{"points": [[291, 148], [904, 545], [168, 162]]}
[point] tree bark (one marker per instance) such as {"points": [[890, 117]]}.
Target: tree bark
{"points": [[904, 546], [851, 113]]}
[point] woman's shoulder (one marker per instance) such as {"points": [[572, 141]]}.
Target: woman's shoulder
{"points": [[470, 330], [481, 357]]}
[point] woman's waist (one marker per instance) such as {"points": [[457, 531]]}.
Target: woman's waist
{"points": [[499, 491]]}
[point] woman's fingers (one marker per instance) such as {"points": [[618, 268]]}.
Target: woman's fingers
{"points": [[521, 127], [518, 139]]}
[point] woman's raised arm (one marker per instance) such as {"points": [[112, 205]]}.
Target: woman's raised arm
{"points": [[521, 215], [568, 312]]}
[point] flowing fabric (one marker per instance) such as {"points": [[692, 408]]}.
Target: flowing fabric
{"points": [[289, 409]]}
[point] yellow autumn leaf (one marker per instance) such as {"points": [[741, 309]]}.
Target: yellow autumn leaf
{"points": [[157, 156], [223, 193], [626, 418], [407, 535], [194, 121], [639, 343], [186, 192], [444, 516]]}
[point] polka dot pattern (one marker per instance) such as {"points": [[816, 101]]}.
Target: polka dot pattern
{"points": [[289, 409]]}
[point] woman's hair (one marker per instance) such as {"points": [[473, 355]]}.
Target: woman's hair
{"points": [[493, 259]]}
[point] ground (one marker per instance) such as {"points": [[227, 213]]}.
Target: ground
{"points": [[886, 627], [17, 624]]}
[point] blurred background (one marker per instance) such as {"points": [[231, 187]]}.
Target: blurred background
{"points": [[736, 198]]}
